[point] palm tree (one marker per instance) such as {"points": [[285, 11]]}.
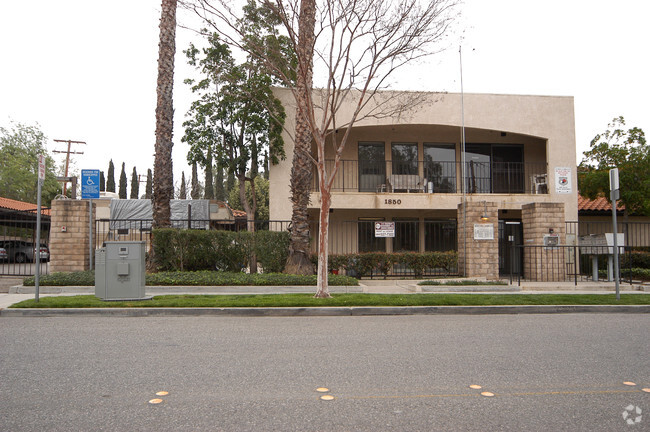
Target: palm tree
{"points": [[163, 185], [301, 171]]}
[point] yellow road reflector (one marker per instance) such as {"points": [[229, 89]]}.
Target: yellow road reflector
{"points": [[327, 397], [322, 389], [475, 386], [629, 383], [647, 390], [487, 394], [155, 401], [162, 393]]}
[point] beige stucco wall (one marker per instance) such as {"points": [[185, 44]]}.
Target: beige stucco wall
{"points": [[544, 124]]}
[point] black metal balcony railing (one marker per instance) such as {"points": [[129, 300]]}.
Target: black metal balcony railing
{"points": [[438, 177]]}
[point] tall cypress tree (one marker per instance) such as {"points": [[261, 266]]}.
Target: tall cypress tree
{"points": [[110, 181], [196, 188], [102, 182], [183, 192], [122, 185], [135, 185], [220, 190], [148, 189]]}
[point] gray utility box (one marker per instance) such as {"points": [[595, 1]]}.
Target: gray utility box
{"points": [[120, 271]]}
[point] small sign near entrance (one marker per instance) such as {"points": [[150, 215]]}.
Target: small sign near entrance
{"points": [[41, 168], [89, 184], [563, 180], [484, 231], [384, 229]]}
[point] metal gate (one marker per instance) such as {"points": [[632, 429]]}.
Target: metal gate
{"points": [[19, 255]]}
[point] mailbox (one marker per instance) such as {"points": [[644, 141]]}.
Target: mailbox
{"points": [[120, 271]]}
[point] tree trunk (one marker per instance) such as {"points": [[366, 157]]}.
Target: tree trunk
{"points": [[250, 219], [163, 185], [209, 187], [322, 289], [301, 171]]}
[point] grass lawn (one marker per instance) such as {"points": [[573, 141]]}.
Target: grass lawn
{"points": [[307, 300]]}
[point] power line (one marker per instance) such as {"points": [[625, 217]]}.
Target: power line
{"points": [[67, 158]]}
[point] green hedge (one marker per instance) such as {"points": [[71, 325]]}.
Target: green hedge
{"points": [[639, 260], [364, 264], [198, 278], [192, 250]]}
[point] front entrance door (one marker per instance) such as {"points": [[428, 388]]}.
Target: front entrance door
{"points": [[511, 233]]}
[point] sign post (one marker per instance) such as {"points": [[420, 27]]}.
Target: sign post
{"points": [[90, 190], [615, 195], [37, 245]]}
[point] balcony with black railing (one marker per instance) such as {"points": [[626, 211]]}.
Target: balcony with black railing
{"points": [[438, 177]]}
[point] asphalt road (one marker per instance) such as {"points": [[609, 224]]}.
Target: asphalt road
{"points": [[412, 373]]}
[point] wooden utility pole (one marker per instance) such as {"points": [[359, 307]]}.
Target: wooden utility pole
{"points": [[67, 158]]}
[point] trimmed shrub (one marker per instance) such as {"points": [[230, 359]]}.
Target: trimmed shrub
{"points": [[640, 260], [365, 264], [272, 250]]}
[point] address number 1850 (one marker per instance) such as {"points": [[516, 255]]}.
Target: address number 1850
{"points": [[393, 201]]}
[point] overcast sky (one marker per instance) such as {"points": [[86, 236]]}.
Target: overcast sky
{"points": [[86, 70]]}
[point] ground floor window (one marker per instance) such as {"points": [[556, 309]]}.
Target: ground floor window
{"points": [[440, 235], [366, 236], [407, 235]]}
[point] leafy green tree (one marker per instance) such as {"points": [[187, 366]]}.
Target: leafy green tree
{"points": [[110, 182], [625, 149], [102, 182], [235, 117], [261, 197], [135, 185], [122, 185], [20, 146]]}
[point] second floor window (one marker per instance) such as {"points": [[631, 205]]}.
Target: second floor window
{"points": [[404, 158]]}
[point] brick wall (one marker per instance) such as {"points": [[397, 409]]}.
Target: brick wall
{"points": [[482, 255], [543, 264], [69, 249]]}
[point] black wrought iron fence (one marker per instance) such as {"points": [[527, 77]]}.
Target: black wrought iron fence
{"points": [[437, 177], [572, 263], [636, 234], [140, 229], [19, 254]]}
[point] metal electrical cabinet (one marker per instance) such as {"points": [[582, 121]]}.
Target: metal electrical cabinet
{"points": [[120, 271]]}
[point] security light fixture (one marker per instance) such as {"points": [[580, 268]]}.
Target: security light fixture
{"points": [[485, 215]]}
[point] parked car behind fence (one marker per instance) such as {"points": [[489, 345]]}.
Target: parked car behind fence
{"points": [[23, 251]]}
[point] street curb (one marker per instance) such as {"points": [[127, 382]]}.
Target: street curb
{"points": [[327, 311]]}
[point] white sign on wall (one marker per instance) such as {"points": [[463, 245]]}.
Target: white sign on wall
{"points": [[384, 229], [484, 231], [563, 180]]}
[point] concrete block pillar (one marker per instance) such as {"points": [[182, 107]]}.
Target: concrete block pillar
{"points": [[544, 263], [70, 235], [478, 242]]}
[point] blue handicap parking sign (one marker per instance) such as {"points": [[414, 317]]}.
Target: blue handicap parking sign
{"points": [[89, 184]]}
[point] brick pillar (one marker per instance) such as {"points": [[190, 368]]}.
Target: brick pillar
{"points": [[69, 235], [540, 263], [482, 255]]}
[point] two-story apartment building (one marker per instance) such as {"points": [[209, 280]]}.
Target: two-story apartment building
{"points": [[515, 181]]}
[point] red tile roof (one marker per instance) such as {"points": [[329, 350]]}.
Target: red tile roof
{"points": [[21, 206], [598, 204], [238, 213]]}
